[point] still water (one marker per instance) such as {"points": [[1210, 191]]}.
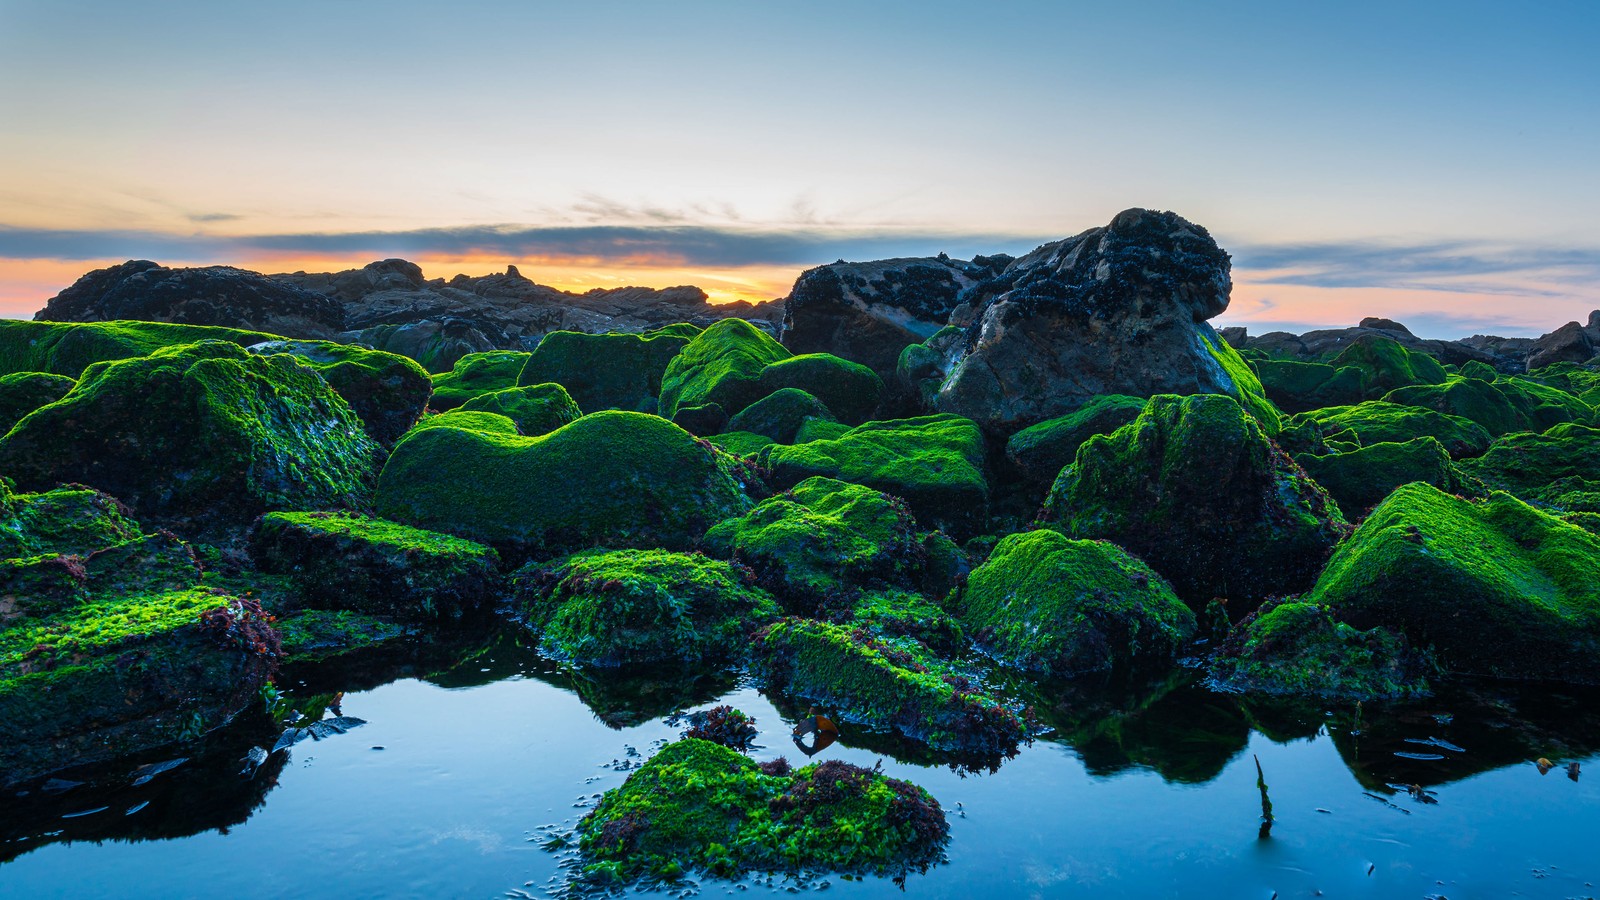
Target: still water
{"points": [[468, 754]]}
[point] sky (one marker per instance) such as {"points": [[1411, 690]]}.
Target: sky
{"points": [[1435, 163]]}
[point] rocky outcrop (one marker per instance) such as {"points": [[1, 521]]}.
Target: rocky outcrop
{"points": [[1569, 343]]}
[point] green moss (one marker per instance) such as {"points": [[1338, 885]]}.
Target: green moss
{"points": [[345, 561], [819, 544], [1299, 648], [535, 408], [1358, 480], [934, 462], [23, 392], [1296, 386], [198, 435], [67, 520], [722, 365], [902, 614], [1377, 421], [606, 371], [1472, 368], [816, 429], [477, 373], [850, 390], [780, 415], [697, 805], [1560, 467], [742, 444], [889, 685], [1491, 588], [1043, 450], [1501, 407], [613, 608], [67, 348], [616, 478], [704, 420], [1051, 605], [1247, 389], [317, 635], [1194, 487], [386, 391], [468, 420], [1386, 365], [921, 368]]}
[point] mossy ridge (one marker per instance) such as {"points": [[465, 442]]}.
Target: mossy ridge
{"points": [[67, 348], [347, 561], [1493, 588], [780, 415], [903, 614], [1247, 389], [474, 374], [1385, 365], [848, 389], [1041, 451], [1503, 406], [613, 478], [535, 408], [234, 435], [742, 444], [1582, 380], [1379, 421], [626, 608], [889, 685], [935, 463], [71, 519], [1196, 489], [697, 805], [1055, 606], [468, 420], [722, 365], [606, 371], [1359, 479], [386, 391], [1559, 468], [23, 392], [1298, 648], [1296, 386]]}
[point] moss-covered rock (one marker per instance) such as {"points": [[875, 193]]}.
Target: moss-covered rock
{"points": [[23, 392], [318, 635], [935, 462], [468, 420], [1490, 588], [72, 520], [535, 408], [386, 391], [903, 614], [849, 390], [1296, 386], [1194, 487], [613, 478], [722, 365], [818, 545], [477, 373], [742, 444], [345, 561], [606, 371], [199, 435], [697, 805], [1041, 451], [1503, 406], [704, 420], [1385, 365], [1051, 605], [67, 348], [1299, 649], [889, 685], [921, 368], [1359, 479], [625, 608], [1377, 421], [1241, 384], [1559, 468], [781, 414]]}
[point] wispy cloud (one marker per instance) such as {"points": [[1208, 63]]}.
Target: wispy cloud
{"points": [[1457, 267]]}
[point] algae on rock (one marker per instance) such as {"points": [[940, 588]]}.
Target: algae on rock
{"points": [[1299, 648], [23, 392], [535, 408], [722, 365], [477, 373], [1359, 479], [607, 371]]}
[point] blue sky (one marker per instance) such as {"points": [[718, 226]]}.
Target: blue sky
{"points": [[1427, 160]]}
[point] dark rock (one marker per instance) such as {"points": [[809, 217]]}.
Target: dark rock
{"points": [[1569, 343]]}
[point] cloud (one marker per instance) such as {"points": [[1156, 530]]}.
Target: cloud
{"points": [[1457, 267]]}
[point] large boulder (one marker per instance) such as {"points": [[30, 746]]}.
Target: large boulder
{"points": [[62, 348], [780, 415], [388, 392], [850, 390], [1041, 451], [607, 371], [199, 435], [1385, 365], [1570, 343], [1196, 488], [1115, 310]]}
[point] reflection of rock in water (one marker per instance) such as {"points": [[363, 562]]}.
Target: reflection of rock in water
{"points": [[888, 744], [622, 700]]}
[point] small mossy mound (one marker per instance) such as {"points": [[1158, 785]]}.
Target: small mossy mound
{"points": [[535, 408], [849, 390], [781, 414], [1299, 649], [475, 374], [199, 435], [1195, 488], [606, 371], [468, 420], [704, 420], [386, 391], [1386, 365], [23, 392], [1041, 451], [1054, 606], [722, 365], [700, 806], [67, 348], [1378, 421], [741, 444], [1559, 468], [71, 520], [1505, 406], [612, 478], [886, 684], [1493, 588], [318, 635], [1297, 387], [345, 561], [625, 608], [935, 463], [902, 614], [1359, 479], [819, 544]]}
